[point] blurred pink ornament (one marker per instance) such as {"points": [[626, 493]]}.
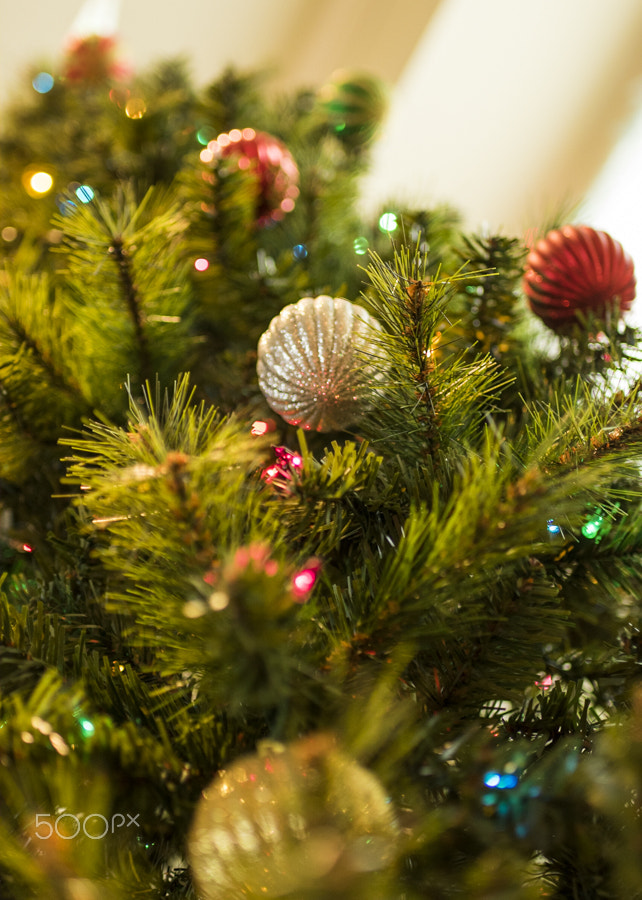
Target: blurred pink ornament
{"points": [[269, 160], [92, 60]]}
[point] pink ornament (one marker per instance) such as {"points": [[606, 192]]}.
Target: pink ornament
{"points": [[271, 163], [92, 60]]}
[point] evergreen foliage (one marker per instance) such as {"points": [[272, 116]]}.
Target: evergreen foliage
{"points": [[469, 630]]}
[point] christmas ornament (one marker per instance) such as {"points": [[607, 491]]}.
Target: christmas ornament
{"points": [[309, 366], [577, 270], [353, 104], [290, 820], [91, 60], [270, 161]]}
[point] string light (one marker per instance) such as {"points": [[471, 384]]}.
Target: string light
{"points": [[43, 82], [84, 193], [501, 781], [135, 108], [86, 727], [388, 222], [205, 135], [287, 462], [304, 581], [592, 527], [37, 182]]}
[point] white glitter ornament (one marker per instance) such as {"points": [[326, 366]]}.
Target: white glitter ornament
{"points": [[309, 366], [297, 821]]}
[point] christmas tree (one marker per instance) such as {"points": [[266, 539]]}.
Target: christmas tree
{"points": [[320, 537]]}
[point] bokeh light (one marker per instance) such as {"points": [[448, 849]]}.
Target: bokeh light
{"points": [[135, 108], [205, 134], [9, 233], [501, 780], [299, 251], [37, 182], [43, 82], [65, 205], [304, 581], [41, 182], [84, 193], [87, 727], [201, 264], [119, 96], [592, 528], [360, 246], [388, 222]]}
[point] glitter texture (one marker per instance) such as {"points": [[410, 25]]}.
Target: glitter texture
{"points": [[310, 366]]}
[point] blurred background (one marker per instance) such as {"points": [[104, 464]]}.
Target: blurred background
{"points": [[508, 110]]}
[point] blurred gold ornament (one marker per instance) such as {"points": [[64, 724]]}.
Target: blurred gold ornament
{"points": [[290, 821]]}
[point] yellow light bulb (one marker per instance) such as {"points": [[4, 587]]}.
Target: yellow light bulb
{"points": [[135, 108], [41, 182]]}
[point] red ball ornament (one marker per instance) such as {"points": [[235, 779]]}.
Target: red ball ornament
{"points": [[272, 164], [92, 60], [577, 269]]}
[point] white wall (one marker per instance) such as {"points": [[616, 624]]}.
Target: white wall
{"points": [[504, 108], [509, 108], [301, 41]]}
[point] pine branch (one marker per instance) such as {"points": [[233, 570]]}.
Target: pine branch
{"points": [[39, 389], [59, 381], [229, 608], [134, 306], [127, 289], [430, 404]]}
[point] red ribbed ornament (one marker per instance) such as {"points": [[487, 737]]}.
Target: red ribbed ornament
{"points": [[577, 269]]}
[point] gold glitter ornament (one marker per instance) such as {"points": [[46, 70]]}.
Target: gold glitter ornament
{"points": [[297, 821], [310, 367]]}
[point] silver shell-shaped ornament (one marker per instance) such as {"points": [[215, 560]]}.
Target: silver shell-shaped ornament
{"points": [[310, 368]]}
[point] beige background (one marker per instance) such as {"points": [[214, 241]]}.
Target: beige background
{"points": [[505, 108]]}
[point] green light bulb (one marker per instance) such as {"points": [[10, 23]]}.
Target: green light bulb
{"points": [[87, 727], [591, 528]]}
